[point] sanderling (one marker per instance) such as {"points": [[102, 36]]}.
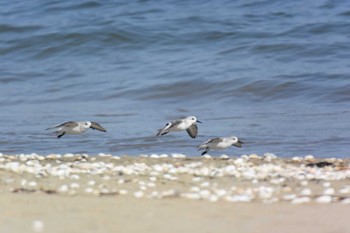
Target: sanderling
{"points": [[76, 127], [219, 144], [188, 124]]}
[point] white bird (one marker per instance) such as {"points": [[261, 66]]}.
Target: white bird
{"points": [[189, 124], [76, 127], [219, 144]]}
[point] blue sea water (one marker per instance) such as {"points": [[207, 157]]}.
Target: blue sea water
{"points": [[274, 73]]}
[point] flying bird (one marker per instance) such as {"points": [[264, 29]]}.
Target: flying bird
{"points": [[219, 144], [189, 124], [76, 127]]}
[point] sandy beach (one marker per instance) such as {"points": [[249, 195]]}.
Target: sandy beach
{"points": [[173, 193]]}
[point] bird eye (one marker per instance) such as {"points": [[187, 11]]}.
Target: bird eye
{"points": [[167, 124], [192, 118]]}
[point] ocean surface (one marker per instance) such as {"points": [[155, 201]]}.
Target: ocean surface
{"points": [[274, 73]]}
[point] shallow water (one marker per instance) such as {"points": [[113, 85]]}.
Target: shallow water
{"points": [[274, 74]]}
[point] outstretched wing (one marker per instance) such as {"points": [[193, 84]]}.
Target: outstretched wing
{"points": [[95, 125], [238, 143], [192, 130], [164, 130], [70, 124], [168, 126]]}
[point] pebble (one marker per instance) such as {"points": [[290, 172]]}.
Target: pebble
{"points": [[91, 182], [345, 190], [213, 198], [178, 156], [346, 201], [63, 189], [238, 198], [89, 190], [304, 183], [305, 192], [195, 189], [309, 158], [301, 200], [123, 192], [74, 185], [193, 196], [138, 194], [324, 199], [254, 156], [38, 226], [32, 184], [297, 159], [289, 197], [204, 193], [329, 191], [196, 179], [224, 157]]}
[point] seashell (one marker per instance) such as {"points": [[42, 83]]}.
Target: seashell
{"points": [[301, 200], [91, 182], [123, 192], [138, 194], [63, 189], [213, 198], [174, 155], [38, 226], [329, 191], [325, 199], [305, 192]]}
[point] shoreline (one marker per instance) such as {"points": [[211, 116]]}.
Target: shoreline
{"points": [[253, 178]]}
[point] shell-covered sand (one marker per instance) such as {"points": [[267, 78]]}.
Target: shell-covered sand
{"points": [[104, 193]]}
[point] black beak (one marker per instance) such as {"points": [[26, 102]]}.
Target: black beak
{"points": [[240, 142], [198, 121]]}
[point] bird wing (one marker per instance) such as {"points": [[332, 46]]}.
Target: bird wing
{"points": [[238, 143], [214, 140], [70, 124], [95, 125], [211, 140], [192, 130], [167, 127], [164, 130]]}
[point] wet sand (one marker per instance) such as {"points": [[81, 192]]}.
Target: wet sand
{"points": [[81, 193]]}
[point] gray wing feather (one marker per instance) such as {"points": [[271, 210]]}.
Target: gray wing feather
{"points": [[175, 123], [214, 140], [168, 126], [71, 124], [211, 140], [192, 130], [238, 144], [95, 125], [164, 130]]}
